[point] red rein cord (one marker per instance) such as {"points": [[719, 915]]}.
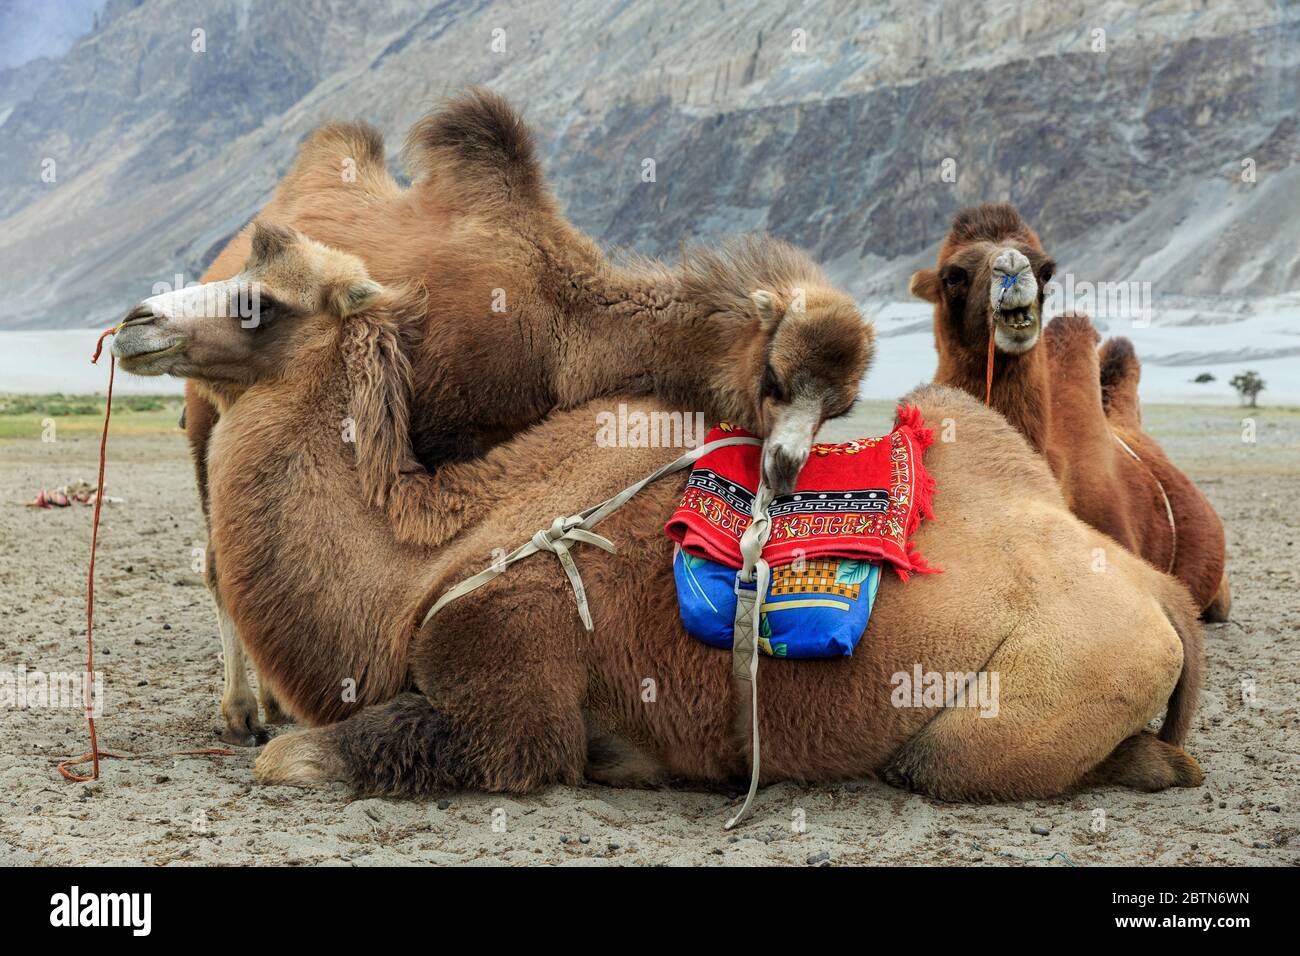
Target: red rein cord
{"points": [[988, 374], [94, 754]]}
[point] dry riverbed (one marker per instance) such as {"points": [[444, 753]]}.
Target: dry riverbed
{"points": [[158, 648]]}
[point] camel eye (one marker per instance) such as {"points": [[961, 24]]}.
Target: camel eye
{"points": [[954, 278], [772, 385], [262, 310]]}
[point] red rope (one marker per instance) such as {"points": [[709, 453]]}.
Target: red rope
{"points": [[95, 752], [988, 372]]}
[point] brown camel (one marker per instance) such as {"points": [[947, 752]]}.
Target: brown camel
{"points": [[337, 348], [504, 689], [521, 313], [1085, 419]]}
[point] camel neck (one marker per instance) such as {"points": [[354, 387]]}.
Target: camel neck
{"points": [[636, 332], [1020, 386]]}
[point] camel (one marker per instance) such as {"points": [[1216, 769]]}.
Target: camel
{"points": [[522, 313], [504, 690], [337, 348], [1077, 408]]}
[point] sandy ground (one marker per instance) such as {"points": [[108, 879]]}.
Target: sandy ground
{"points": [[158, 648]]}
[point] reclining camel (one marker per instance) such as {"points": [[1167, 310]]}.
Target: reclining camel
{"points": [[336, 349], [988, 290], [504, 690], [520, 312]]}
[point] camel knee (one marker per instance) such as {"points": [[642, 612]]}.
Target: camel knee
{"points": [[407, 747]]}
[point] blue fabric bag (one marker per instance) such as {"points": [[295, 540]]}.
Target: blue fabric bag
{"points": [[814, 608]]}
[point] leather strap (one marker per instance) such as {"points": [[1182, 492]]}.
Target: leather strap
{"points": [[577, 529]]}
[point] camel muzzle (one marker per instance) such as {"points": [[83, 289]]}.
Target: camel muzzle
{"points": [[1013, 300], [781, 469], [141, 341]]}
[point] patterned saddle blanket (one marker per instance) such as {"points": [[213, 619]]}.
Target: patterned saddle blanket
{"points": [[853, 511]]}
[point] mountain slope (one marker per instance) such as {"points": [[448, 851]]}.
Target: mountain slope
{"points": [[1127, 160]]}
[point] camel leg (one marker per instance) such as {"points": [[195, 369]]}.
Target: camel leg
{"points": [[1220, 607], [238, 705], [407, 747], [271, 709], [1069, 713], [492, 712], [1145, 762]]}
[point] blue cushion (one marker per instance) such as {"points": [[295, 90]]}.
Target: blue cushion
{"points": [[814, 608]]}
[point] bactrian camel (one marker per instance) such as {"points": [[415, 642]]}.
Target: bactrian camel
{"points": [[990, 281], [520, 313], [338, 349]]}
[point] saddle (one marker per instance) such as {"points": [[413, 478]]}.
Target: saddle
{"points": [[853, 510]]}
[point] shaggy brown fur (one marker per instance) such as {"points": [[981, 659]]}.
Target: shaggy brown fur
{"points": [[312, 383], [479, 232], [1085, 660], [1071, 403], [504, 690], [962, 324]]}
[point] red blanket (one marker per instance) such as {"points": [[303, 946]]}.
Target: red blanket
{"points": [[861, 499]]}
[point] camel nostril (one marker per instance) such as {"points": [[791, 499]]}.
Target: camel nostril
{"points": [[139, 315], [1010, 262]]}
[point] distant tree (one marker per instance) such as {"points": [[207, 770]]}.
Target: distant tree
{"points": [[1248, 385], [1203, 378]]}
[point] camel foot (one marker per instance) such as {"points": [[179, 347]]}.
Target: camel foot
{"points": [[1219, 609], [242, 727], [1145, 762], [304, 758]]}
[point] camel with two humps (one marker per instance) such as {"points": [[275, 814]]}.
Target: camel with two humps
{"points": [[1075, 405], [519, 314]]}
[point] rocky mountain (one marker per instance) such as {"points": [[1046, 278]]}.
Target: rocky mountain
{"points": [[1156, 145]]}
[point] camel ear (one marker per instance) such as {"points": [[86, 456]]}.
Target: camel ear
{"points": [[768, 309], [925, 284], [270, 240], [350, 297]]}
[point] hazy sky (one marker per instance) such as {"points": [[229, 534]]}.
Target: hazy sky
{"points": [[32, 28]]}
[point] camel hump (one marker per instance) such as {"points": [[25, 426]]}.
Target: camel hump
{"points": [[336, 153], [358, 141], [1120, 373], [1073, 329], [478, 145]]}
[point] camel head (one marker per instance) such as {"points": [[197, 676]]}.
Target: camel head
{"points": [[234, 333], [990, 279], [816, 350]]}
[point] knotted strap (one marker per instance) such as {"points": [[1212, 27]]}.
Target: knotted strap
{"points": [[748, 625], [577, 528]]}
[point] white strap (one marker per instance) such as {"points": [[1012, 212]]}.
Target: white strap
{"points": [[748, 625], [577, 528], [1169, 509]]}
